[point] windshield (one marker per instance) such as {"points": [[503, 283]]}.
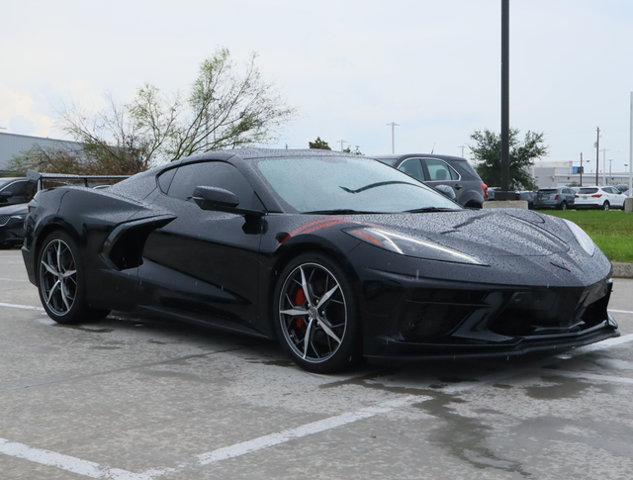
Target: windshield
{"points": [[348, 185], [547, 190], [587, 190]]}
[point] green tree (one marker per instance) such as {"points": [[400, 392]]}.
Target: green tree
{"points": [[319, 144], [226, 107], [487, 149]]}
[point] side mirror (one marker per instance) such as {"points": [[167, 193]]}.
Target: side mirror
{"points": [[5, 196], [447, 191], [220, 200]]}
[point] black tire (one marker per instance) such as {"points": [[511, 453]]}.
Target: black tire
{"points": [[606, 206], [79, 309], [348, 351], [563, 206]]}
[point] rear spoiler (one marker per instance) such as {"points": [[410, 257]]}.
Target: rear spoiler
{"points": [[40, 177]]}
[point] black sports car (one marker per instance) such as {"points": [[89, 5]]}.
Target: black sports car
{"points": [[335, 256]]}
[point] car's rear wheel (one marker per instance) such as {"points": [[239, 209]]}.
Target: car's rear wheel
{"points": [[606, 206], [315, 314], [563, 206], [61, 283]]}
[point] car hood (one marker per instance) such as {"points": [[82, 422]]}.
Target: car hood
{"points": [[14, 209], [484, 233]]}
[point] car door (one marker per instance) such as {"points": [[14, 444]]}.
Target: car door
{"points": [[413, 168], [438, 172], [570, 196], [205, 264]]}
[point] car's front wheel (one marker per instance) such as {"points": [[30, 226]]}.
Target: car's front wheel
{"points": [[61, 283], [315, 314]]}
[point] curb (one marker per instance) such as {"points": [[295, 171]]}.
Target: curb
{"points": [[622, 270]]}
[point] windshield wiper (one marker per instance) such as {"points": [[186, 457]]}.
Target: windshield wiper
{"points": [[432, 209], [377, 184], [339, 211]]}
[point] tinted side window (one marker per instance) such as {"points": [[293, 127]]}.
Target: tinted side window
{"points": [[412, 167], [439, 170], [212, 174]]}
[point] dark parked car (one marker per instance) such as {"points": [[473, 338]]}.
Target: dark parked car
{"points": [[363, 261], [15, 193], [436, 170], [559, 198]]}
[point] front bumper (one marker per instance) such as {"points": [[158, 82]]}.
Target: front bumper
{"points": [[12, 232], [408, 319]]}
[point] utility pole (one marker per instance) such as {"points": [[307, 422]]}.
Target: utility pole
{"points": [[604, 165], [393, 126], [581, 169], [462, 147], [597, 154], [341, 143], [505, 95]]}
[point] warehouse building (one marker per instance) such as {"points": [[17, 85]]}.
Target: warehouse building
{"points": [[12, 145]]}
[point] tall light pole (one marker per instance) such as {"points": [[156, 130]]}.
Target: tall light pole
{"points": [[462, 147], [631, 147], [341, 143], [597, 154], [505, 95], [393, 126], [581, 169], [604, 166]]}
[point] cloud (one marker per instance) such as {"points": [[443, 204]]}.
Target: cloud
{"points": [[20, 113]]}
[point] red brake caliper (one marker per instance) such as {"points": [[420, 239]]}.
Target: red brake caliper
{"points": [[299, 323]]}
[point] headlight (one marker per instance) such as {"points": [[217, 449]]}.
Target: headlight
{"points": [[583, 239], [413, 247]]}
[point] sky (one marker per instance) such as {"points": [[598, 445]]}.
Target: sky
{"points": [[347, 67]]}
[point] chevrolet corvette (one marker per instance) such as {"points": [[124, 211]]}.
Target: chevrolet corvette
{"points": [[337, 257]]}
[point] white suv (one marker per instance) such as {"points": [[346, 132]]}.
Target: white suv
{"points": [[599, 197]]}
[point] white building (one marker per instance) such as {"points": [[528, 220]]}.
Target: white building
{"points": [[12, 144], [550, 174]]}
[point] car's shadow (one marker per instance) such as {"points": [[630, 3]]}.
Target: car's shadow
{"points": [[396, 377]]}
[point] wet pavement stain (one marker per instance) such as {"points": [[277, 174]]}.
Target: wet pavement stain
{"points": [[190, 377], [105, 347], [88, 329], [275, 362], [557, 390], [465, 437], [157, 342], [503, 386], [561, 388]]}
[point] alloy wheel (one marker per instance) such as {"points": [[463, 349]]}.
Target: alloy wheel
{"points": [[312, 312], [58, 277]]}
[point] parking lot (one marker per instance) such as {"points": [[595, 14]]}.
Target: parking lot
{"points": [[125, 398]]}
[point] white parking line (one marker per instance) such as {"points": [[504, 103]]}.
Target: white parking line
{"points": [[284, 436], [628, 312], [66, 462], [21, 307]]}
